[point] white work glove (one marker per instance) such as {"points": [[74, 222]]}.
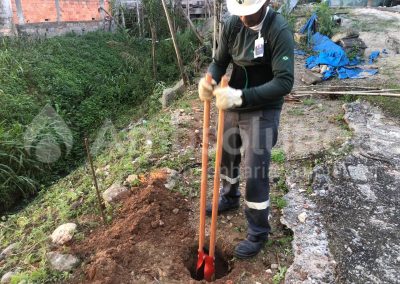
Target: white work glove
{"points": [[228, 97], [206, 89]]}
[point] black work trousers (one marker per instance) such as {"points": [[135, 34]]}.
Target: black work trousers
{"points": [[254, 132]]}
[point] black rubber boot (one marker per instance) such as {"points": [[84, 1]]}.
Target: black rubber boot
{"points": [[224, 204], [249, 247]]}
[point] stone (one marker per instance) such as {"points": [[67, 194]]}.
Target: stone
{"points": [[6, 278], [115, 193], [170, 94], [172, 178], [311, 78], [274, 266], [302, 217], [300, 38], [63, 233], [175, 211], [347, 34], [8, 251], [268, 271], [132, 179], [62, 262]]}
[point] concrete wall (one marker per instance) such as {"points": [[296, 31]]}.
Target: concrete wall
{"points": [[52, 17], [6, 18], [55, 29]]}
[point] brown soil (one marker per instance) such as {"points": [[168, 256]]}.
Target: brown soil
{"points": [[150, 241], [146, 241]]}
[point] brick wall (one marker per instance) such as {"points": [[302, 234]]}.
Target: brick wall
{"points": [[83, 10], [39, 11], [23, 13]]}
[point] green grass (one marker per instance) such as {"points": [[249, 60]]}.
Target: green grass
{"points": [[127, 154], [278, 201], [309, 101], [87, 81], [280, 275], [296, 111], [278, 156]]}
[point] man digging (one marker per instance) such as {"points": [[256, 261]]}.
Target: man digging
{"points": [[259, 43]]}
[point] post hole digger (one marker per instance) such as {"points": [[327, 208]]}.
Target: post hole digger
{"points": [[205, 267]]}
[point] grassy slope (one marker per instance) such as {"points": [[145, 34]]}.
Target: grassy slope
{"points": [[87, 80], [31, 226]]}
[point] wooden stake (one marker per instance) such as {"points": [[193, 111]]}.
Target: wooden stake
{"points": [[100, 200], [178, 55]]}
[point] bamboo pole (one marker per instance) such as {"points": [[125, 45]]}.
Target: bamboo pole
{"points": [[305, 93], [178, 55], [215, 30]]}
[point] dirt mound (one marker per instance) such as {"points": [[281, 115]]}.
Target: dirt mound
{"points": [[148, 240]]}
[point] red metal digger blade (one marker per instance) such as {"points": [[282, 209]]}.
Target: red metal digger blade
{"points": [[209, 268], [200, 261]]}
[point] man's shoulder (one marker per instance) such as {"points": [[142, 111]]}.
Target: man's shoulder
{"points": [[278, 24], [231, 22]]}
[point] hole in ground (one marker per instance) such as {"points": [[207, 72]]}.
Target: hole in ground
{"points": [[222, 266]]}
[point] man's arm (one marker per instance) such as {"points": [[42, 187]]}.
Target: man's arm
{"points": [[283, 68], [222, 58]]}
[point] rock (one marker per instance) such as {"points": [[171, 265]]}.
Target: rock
{"points": [[353, 45], [8, 251], [197, 131], [161, 223], [63, 233], [62, 262], [172, 178], [300, 38], [115, 193], [132, 180], [268, 271], [175, 211], [302, 217], [274, 266], [347, 34], [393, 44], [170, 184], [7, 277], [311, 78], [170, 94]]}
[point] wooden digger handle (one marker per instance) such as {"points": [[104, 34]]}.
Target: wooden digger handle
{"points": [[220, 133], [204, 168]]}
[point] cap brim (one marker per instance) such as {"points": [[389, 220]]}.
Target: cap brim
{"points": [[239, 10]]}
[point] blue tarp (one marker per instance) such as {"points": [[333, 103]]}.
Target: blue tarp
{"points": [[355, 73], [309, 27], [332, 55], [374, 55], [329, 53]]}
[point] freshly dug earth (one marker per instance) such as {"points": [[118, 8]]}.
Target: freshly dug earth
{"points": [[147, 240], [151, 239]]}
